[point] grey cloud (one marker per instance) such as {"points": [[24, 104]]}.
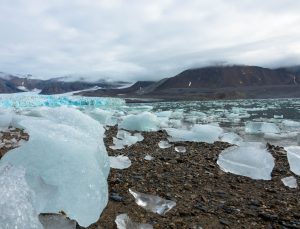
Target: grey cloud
{"points": [[140, 39]]}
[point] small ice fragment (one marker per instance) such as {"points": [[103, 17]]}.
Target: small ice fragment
{"points": [[125, 138], [148, 157], [124, 222], [119, 162], [152, 203], [164, 144], [250, 159], [290, 182], [180, 149], [293, 154], [55, 221]]}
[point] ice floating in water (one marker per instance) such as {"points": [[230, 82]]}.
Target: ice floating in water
{"points": [[180, 149], [293, 154], [152, 203], [56, 221], [261, 127], [124, 222], [16, 200], [148, 158], [119, 162], [290, 182], [145, 121], [198, 133], [125, 138], [291, 123], [65, 149], [231, 138], [164, 144], [250, 159]]}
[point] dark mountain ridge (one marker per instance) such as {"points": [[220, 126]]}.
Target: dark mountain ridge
{"points": [[218, 82]]}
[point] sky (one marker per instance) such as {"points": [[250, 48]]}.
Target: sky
{"points": [[142, 39]]}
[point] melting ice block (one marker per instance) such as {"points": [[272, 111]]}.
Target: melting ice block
{"points": [[152, 203], [124, 222], [66, 151], [290, 182], [180, 149], [145, 121], [103, 116], [16, 200], [198, 133], [293, 154], [250, 159], [125, 138], [261, 127], [164, 144], [231, 138], [119, 162]]}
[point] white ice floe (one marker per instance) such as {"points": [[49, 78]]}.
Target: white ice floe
{"points": [[198, 133], [293, 154], [250, 159], [16, 200], [125, 138], [291, 123], [145, 121], [261, 128], [153, 203], [148, 157], [164, 144], [119, 162], [180, 149], [124, 222], [56, 221], [290, 182], [66, 156], [232, 138]]}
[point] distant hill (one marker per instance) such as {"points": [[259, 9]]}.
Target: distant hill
{"points": [[217, 82], [12, 84]]}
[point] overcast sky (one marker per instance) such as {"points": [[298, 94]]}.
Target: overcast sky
{"points": [[144, 39]]}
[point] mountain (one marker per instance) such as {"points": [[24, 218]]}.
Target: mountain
{"points": [[217, 82], [12, 84]]}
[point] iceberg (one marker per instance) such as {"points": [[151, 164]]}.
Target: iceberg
{"points": [[250, 159], [124, 222], [145, 121], [293, 155], [103, 116], [152, 203], [16, 200], [261, 127], [66, 154], [198, 133]]}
